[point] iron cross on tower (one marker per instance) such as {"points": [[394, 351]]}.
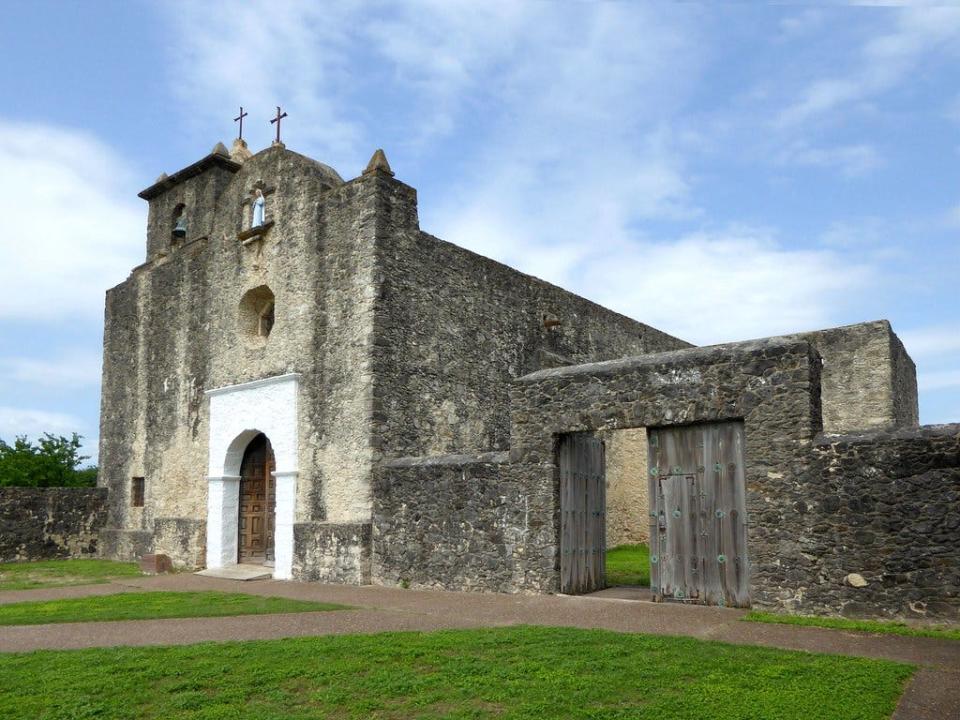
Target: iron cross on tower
{"points": [[239, 119], [277, 120]]}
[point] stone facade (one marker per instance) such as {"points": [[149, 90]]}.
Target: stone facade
{"points": [[50, 523], [414, 393], [403, 344]]}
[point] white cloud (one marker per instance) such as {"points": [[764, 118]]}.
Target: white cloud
{"points": [[850, 160], [884, 61], [801, 24], [33, 423], [70, 230], [941, 380], [932, 342], [78, 369], [724, 286], [952, 216], [266, 53]]}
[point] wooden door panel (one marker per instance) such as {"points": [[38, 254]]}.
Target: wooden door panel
{"points": [[256, 516], [582, 513], [698, 521]]}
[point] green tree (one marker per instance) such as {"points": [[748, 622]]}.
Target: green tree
{"points": [[53, 461]]}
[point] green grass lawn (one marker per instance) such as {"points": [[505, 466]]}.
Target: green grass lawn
{"points": [[870, 626], [520, 672], [151, 605], [628, 565], [60, 573]]}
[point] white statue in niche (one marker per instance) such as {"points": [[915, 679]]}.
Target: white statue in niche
{"points": [[258, 202]]}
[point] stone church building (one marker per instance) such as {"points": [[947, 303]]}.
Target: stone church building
{"points": [[300, 377]]}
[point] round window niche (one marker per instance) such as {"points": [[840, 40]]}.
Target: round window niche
{"points": [[257, 314]]}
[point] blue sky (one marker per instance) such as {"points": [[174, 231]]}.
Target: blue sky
{"points": [[721, 172]]}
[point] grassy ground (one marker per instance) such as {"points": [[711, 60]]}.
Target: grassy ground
{"points": [[525, 672], [60, 573], [151, 605], [871, 626], [628, 565]]}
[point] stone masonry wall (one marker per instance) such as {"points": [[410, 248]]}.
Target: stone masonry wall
{"points": [[332, 553], [772, 385], [885, 506], [173, 330], [868, 380], [628, 505], [50, 523], [477, 522], [453, 329], [463, 522]]}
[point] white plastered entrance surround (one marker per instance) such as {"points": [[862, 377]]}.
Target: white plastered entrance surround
{"points": [[237, 414]]}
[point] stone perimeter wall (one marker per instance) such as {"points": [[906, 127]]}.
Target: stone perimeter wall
{"points": [[886, 507], [50, 523], [822, 509], [472, 514]]}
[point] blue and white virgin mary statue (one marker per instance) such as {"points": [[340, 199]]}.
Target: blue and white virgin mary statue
{"points": [[258, 210]]}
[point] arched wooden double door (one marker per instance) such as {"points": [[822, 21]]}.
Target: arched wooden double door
{"points": [[258, 500]]}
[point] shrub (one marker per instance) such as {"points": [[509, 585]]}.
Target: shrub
{"points": [[52, 462]]}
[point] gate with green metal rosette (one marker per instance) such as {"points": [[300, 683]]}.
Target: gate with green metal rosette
{"points": [[698, 529]]}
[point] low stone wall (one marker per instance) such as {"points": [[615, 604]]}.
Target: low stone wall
{"points": [[463, 522], [332, 553], [885, 507], [50, 523]]}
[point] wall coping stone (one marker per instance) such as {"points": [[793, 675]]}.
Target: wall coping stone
{"points": [[709, 354], [873, 436]]}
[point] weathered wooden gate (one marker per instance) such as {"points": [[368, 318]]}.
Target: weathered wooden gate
{"points": [[698, 529], [582, 513]]}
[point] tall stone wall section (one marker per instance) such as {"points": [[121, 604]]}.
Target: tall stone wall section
{"points": [[885, 506], [453, 329], [773, 386], [50, 523]]}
